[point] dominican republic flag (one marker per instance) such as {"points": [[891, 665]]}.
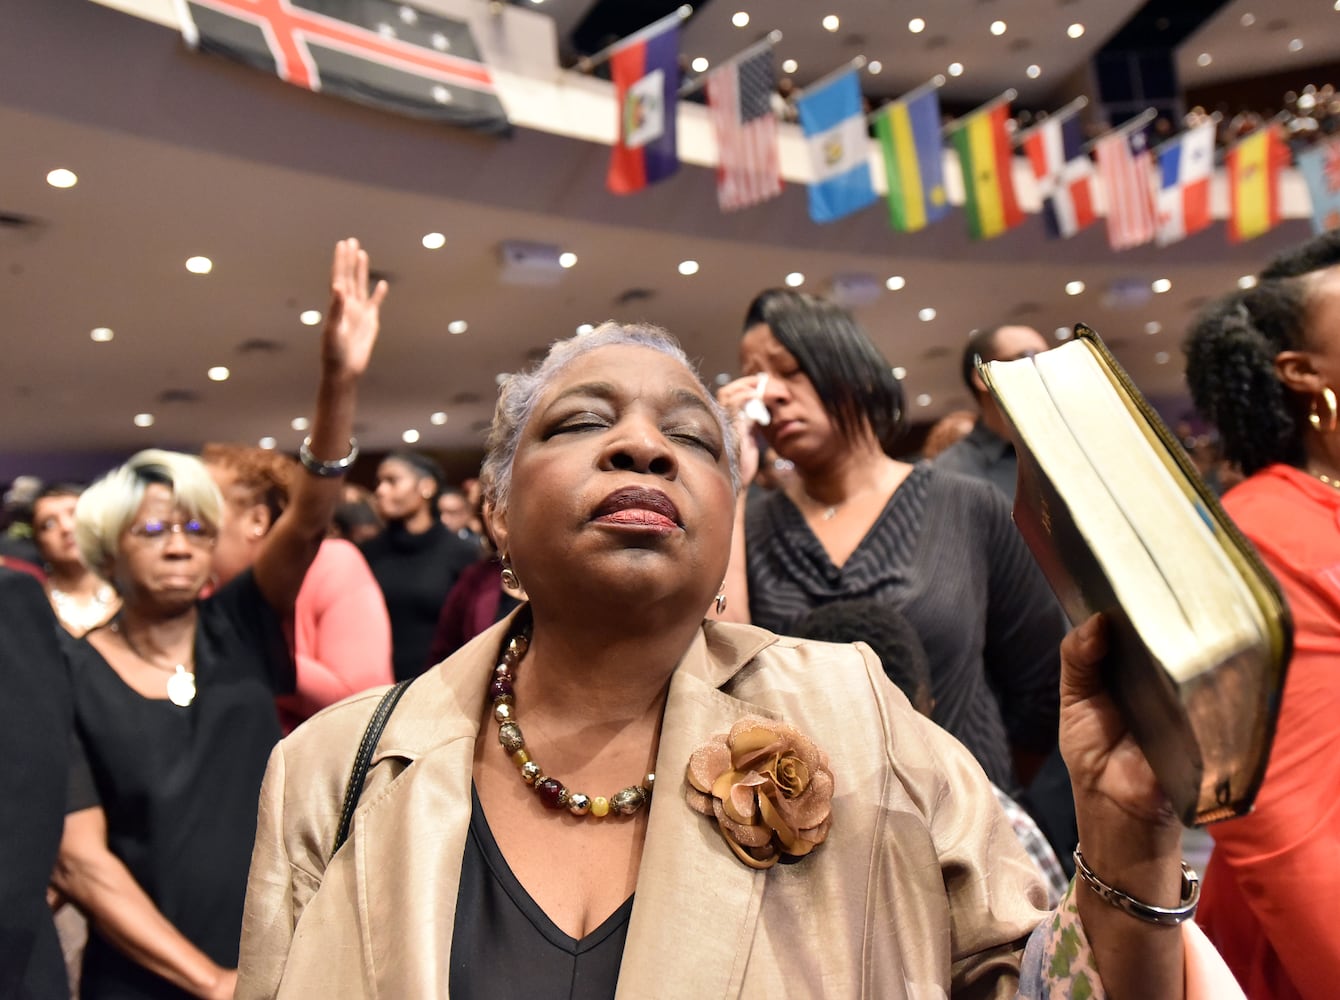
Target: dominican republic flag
{"points": [[388, 55], [739, 96], [1065, 175], [1186, 165], [646, 85], [1320, 167], [834, 125], [1128, 183]]}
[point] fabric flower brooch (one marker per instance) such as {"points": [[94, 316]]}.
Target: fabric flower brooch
{"points": [[768, 787]]}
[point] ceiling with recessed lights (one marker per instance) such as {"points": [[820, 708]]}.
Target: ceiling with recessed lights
{"points": [[112, 340]]}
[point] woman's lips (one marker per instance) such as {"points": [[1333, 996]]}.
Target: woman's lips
{"points": [[638, 507]]}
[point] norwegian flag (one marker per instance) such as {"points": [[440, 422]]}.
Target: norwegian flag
{"points": [[389, 55], [1064, 174], [1128, 181], [1185, 167], [748, 165]]}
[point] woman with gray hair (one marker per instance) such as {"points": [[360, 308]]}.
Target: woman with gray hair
{"points": [[174, 699], [592, 797]]}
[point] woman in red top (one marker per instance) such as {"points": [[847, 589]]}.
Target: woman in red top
{"points": [[1264, 366]]}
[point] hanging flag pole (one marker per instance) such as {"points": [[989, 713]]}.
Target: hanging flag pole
{"points": [[856, 63], [700, 81], [1126, 128], [1221, 154], [587, 63], [934, 83], [996, 101], [1214, 119], [1061, 114]]}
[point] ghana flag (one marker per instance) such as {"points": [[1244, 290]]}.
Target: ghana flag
{"points": [[986, 156]]}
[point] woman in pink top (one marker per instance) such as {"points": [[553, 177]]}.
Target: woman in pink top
{"points": [[341, 632]]}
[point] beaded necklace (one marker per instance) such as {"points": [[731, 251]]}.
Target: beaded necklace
{"points": [[552, 792]]}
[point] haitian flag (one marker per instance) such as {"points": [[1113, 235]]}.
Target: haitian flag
{"points": [[1183, 200], [834, 125], [389, 55], [1320, 167], [645, 71]]}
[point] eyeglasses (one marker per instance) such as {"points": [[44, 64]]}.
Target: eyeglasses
{"points": [[158, 532]]}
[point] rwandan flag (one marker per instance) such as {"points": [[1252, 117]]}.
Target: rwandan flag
{"points": [[985, 154], [909, 132], [646, 81]]}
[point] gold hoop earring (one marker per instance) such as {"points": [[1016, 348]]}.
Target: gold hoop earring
{"points": [[1314, 414], [721, 603], [509, 578]]}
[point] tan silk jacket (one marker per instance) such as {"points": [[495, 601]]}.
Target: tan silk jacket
{"points": [[920, 891]]}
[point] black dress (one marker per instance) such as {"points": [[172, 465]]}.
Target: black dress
{"points": [[416, 572], [180, 785]]}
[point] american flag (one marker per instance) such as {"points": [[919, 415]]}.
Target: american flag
{"points": [[1128, 181], [740, 98]]}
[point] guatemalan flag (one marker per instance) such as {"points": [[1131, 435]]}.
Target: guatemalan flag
{"points": [[645, 70], [834, 125], [1185, 167], [1064, 173]]}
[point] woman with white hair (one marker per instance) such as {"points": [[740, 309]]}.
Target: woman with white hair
{"points": [[174, 699]]}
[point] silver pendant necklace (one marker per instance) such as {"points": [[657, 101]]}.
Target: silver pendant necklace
{"points": [[180, 683]]}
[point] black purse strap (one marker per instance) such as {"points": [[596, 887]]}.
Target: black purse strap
{"points": [[363, 760]]}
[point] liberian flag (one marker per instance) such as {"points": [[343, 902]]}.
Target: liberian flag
{"points": [[646, 84], [1129, 187], [1064, 174], [1185, 167], [389, 55], [748, 160]]}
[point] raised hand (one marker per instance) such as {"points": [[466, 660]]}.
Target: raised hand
{"points": [[733, 397], [354, 316]]}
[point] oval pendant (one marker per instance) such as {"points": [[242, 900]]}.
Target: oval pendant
{"points": [[181, 687]]}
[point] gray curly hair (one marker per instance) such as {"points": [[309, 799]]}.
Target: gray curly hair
{"points": [[520, 391]]}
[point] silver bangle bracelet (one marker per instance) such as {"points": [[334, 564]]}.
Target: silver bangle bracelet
{"points": [[1162, 915], [327, 470]]}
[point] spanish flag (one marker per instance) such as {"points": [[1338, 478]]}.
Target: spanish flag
{"points": [[985, 154], [1253, 184], [909, 132]]}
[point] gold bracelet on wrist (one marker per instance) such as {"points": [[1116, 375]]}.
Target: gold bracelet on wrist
{"points": [[1164, 916]]}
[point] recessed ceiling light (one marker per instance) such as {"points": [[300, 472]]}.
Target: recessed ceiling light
{"points": [[926, 315], [1153, 327], [434, 241], [267, 442], [874, 67], [410, 436], [1033, 72], [1075, 30], [700, 64], [1204, 59], [1160, 285], [457, 326], [218, 373], [1063, 333], [1162, 358], [795, 279], [567, 259], [831, 22], [1249, 18], [997, 27], [790, 65], [144, 419], [898, 372], [309, 317], [300, 423], [924, 399], [740, 19], [1074, 288], [1247, 281], [62, 178], [1295, 45], [956, 69], [442, 95], [1306, 102], [584, 329], [438, 419], [101, 334], [917, 25], [199, 265], [687, 267], [896, 283]]}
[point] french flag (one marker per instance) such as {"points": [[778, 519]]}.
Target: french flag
{"points": [[1065, 175], [1185, 167]]}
